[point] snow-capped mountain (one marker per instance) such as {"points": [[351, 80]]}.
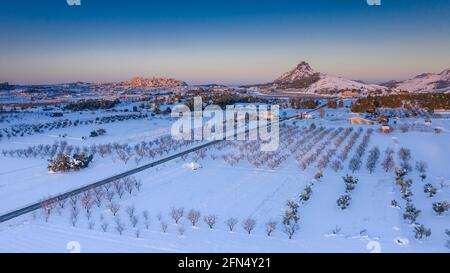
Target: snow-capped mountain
{"points": [[425, 82], [304, 79], [300, 72]]}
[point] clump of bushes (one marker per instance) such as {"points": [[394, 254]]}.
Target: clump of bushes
{"points": [[306, 193], [411, 213], [350, 182], [421, 231], [429, 189], [93, 104], [394, 204], [65, 163], [441, 207], [98, 132], [344, 201]]}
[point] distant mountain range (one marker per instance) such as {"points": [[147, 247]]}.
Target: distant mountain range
{"points": [[304, 79], [154, 82], [301, 79], [425, 82]]}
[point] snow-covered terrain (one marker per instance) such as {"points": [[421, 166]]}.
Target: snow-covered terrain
{"points": [[233, 179]]}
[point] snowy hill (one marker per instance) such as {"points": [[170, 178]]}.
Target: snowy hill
{"points": [[425, 82], [304, 79]]}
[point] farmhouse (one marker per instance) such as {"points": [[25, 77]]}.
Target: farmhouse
{"points": [[349, 94], [305, 115], [385, 129], [360, 120]]}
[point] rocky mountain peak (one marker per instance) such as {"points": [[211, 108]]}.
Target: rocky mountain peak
{"points": [[301, 71]]}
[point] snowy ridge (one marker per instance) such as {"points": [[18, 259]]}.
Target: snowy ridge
{"points": [[328, 82], [425, 82]]}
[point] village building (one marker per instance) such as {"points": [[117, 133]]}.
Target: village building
{"points": [[349, 94], [386, 129], [360, 120], [304, 115]]}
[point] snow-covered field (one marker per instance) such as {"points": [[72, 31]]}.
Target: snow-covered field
{"points": [[234, 181]]}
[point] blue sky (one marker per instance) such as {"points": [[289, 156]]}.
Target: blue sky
{"points": [[230, 42]]}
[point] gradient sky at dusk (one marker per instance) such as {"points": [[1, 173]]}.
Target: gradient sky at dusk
{"points": [[215, 41]]}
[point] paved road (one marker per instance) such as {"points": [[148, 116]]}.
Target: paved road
{"points": [[36, 206]]}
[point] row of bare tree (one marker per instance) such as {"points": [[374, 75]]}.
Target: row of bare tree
{"points": [[20, 130], [124, 152]]}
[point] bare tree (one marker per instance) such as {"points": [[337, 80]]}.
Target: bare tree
{"points": [[131, 211], [159, 216], [104, 226], [231, 223], [87, 201], [181, 230], [176, 214], [123, 156], [107, 187], [134, 220], [110, 196], [98, 196], [336, 165], [388, 162], [62, 203], [114, 208], [249, 224], [210, 220], [48, 206], [91, 224], [118, 187], [88, 214], [120, 227], [74, 216], [73, 201], [404, 154], [421, 166], [290, 219], [138, 185], [372, 159], [146, 216], [193, 216], [164, 226], [355, 164], [129, 185], [270, 227], [290, 228]]}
